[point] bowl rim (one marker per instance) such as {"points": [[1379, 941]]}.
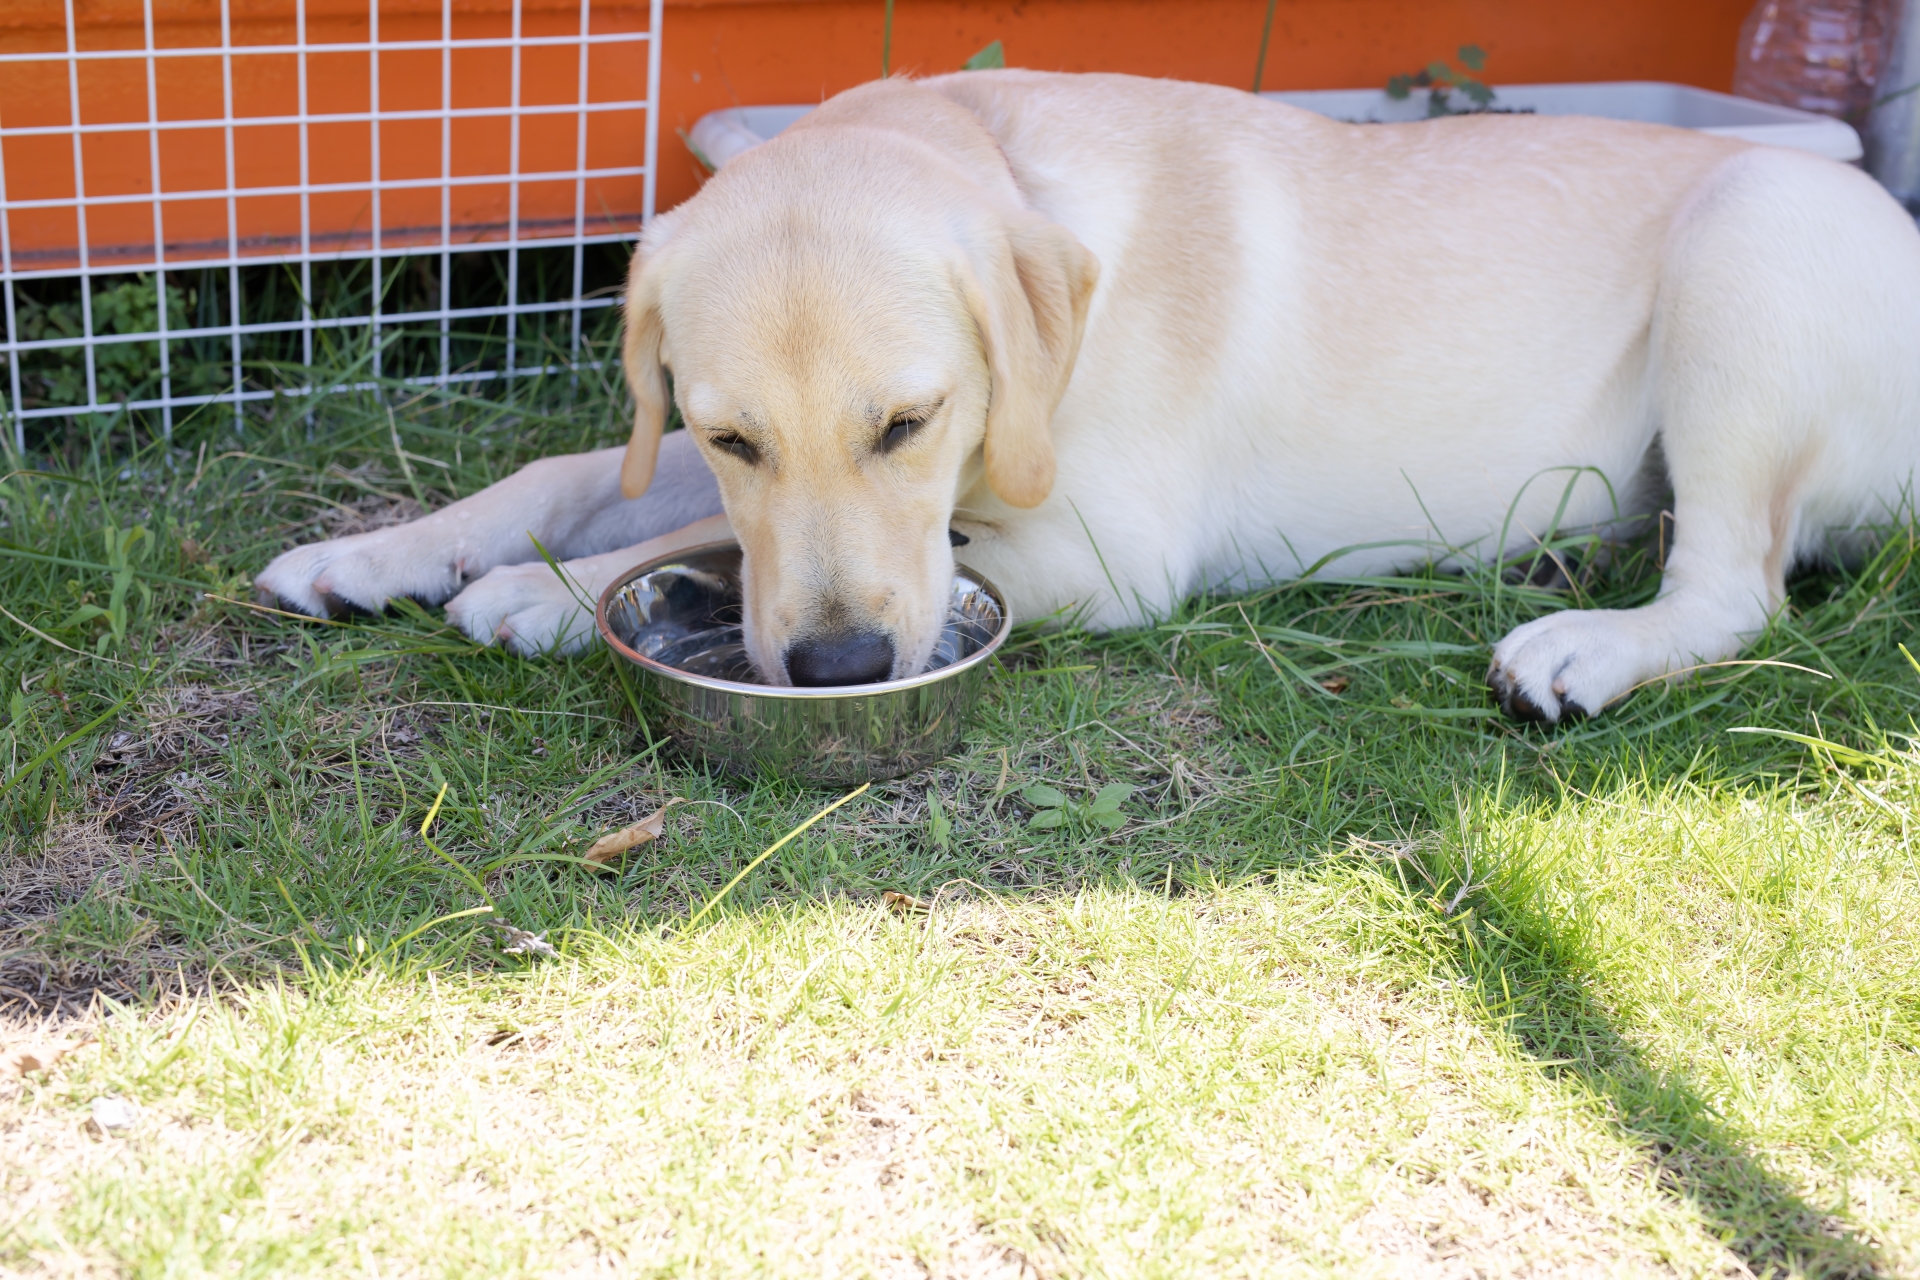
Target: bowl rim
{"points": [[675, 674]]}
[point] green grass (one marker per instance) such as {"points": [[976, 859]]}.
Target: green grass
{"points": [[1368, 983]]}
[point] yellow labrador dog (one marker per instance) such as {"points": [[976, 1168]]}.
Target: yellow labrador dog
{"points": [[1132, 338]]}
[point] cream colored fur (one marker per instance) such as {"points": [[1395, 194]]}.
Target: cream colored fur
{"points": [[1168, 336]]}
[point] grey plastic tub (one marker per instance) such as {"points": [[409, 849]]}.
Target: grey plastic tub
{"points": [[722, 135], [1648, 101]]}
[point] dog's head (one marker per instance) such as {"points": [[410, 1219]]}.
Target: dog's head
{"points": [[856, 327]]}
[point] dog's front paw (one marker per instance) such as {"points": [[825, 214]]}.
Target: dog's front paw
{"points": [[365, 571], [289, 581], [1565, 666], [527, 608]]}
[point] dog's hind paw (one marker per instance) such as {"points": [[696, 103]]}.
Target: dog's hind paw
{"points": [[527, 609], [1581, 662], [1566, 666]]}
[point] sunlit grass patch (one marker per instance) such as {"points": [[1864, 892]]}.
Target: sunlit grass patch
{"points": [[1112, 1082]]}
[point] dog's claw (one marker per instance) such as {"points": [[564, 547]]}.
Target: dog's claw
{"points": [[1518, 706]]}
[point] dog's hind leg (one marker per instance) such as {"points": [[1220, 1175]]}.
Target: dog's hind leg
{"points": [[571, 506], [1786, 353]]}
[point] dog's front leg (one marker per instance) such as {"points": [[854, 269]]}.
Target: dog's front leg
{"points": [[571, 506], [533, 610]]}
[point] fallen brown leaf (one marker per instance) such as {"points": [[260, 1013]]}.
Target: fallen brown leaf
{"points": [[645, 831], [36, 1055], [1335, 684], [905, 903]]}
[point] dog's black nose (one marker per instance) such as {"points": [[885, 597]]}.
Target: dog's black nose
{"points": [[858, 657]]}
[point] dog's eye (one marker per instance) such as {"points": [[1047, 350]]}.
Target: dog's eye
{"points": [[900, 429], [738, 446]]}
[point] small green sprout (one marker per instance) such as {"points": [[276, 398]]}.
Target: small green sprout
{"points": [[121, 554], [939, 825], [1052, 808]]}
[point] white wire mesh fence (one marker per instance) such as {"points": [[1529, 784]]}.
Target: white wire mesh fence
{"points": [[196, 213]]}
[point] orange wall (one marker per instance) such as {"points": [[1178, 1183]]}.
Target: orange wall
{"points": [[717, 53], [721, 53]]}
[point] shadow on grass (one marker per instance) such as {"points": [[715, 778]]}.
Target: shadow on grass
{"points": [[1832, 660], [1531, 983]]}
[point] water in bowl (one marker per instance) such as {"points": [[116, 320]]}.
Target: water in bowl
{"points": [[688, 617], [721, 652]]}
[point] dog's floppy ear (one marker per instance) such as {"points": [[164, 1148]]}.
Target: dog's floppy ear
{"points": [[1030, 306], [646, 372]]}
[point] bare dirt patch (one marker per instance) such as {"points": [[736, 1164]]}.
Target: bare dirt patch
{"points": [[151, 780], [886, 1183], [150, 784]]}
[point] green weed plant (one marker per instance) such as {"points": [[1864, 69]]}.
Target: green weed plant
{"points": [[1442, 80]]}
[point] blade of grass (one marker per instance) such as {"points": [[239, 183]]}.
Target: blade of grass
{"points": [[768, 852]]}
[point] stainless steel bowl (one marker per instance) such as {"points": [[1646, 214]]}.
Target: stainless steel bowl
{"points": [[677, 620]]}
